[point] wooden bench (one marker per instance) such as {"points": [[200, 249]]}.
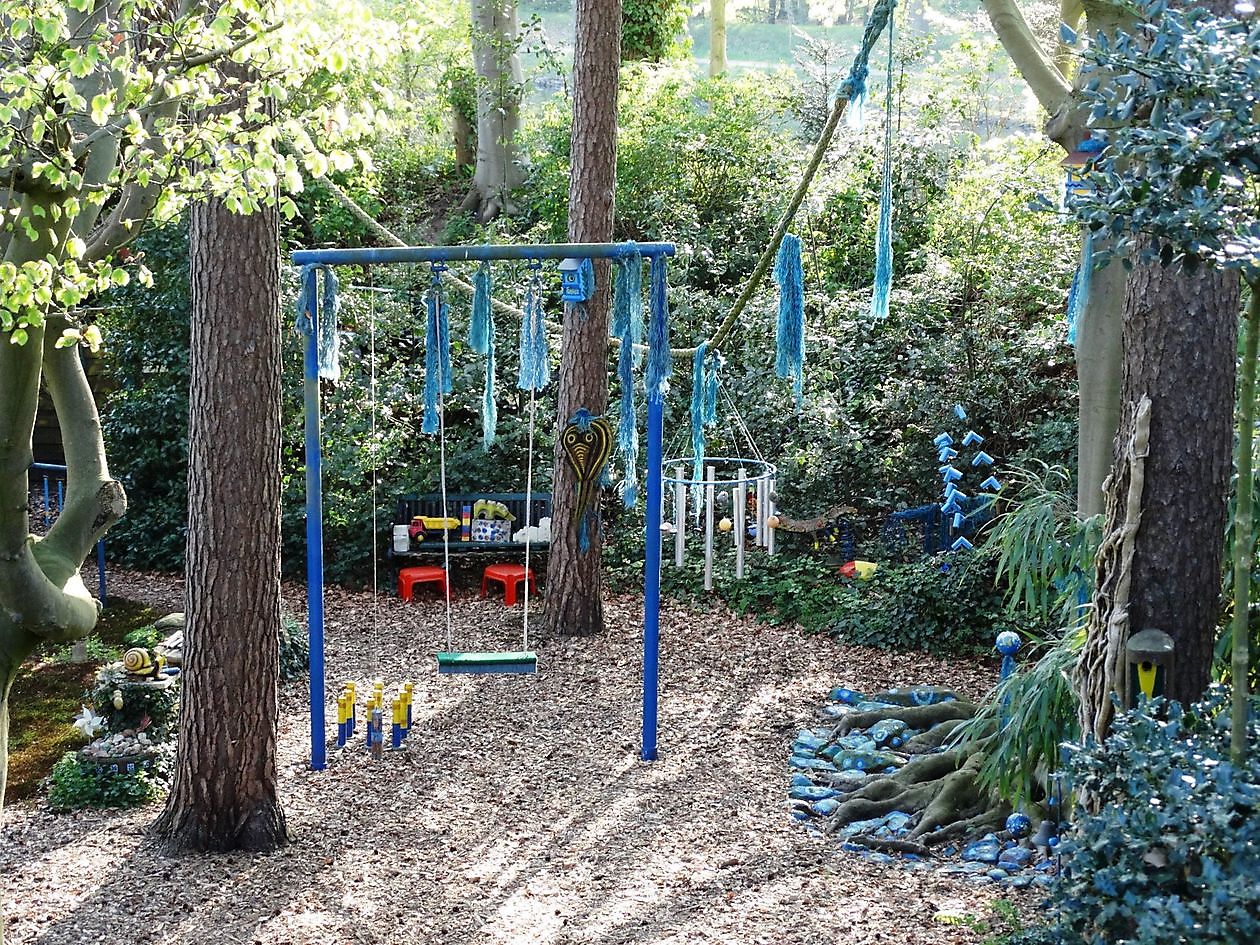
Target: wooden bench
{"points": [[430, 506]]}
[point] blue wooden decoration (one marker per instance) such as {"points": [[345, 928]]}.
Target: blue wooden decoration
{"points": [[942, 440], [959, 518], [959, 412], [946, 454], [982, 458], [951, 474], [961, 544], [991, 484], [577, 280], [972, 438]]}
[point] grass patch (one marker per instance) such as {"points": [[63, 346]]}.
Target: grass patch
{"points": [[48, 692]]}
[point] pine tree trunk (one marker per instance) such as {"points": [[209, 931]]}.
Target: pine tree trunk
{"points": [[1180, 336], [574, 602], [224, 796]]}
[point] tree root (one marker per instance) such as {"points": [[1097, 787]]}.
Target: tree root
{"points": [[916, 716], [909, 790], [889, 845], [982, 822], [958, 791], [932, 739]]}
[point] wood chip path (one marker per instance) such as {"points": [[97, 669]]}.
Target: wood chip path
{"points": [[519, 812]]}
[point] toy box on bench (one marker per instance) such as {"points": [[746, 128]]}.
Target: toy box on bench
{"points": [[488, 521]]}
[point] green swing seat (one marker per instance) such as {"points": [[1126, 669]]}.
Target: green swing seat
{"points": [[523, 661]]}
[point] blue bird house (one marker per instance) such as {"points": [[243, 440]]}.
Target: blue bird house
{"points": [[577, 280]]}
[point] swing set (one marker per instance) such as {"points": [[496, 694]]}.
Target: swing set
{"points": [[588, 439]]}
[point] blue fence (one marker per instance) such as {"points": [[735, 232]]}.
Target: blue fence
{"points": [[48, 498], [938, 530]]}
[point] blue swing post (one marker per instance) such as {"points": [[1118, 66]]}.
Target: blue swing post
{"points": [[308, 323], [314, 518]]}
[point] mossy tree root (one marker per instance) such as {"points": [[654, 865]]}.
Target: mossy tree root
{"points": [[959, 791]]}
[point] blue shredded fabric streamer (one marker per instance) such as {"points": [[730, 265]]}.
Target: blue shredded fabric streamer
{"points": [[305, 304], [790, 332], [535, 367], [437, 360], [660, 359], [883, 231], [329, 339], [705, 366], [479, 330], [853, 87], [628, 303], [1078, 295], [628, 326], [489, 409]]}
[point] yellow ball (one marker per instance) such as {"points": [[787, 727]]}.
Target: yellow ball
{"points": [[724, 525], [772, 521]]}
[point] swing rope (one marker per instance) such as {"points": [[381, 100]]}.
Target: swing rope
{"points": [[529, 505], [438, 337], [374, 452]]}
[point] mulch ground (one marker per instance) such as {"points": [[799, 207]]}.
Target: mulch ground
{"points": [[519, 811]]}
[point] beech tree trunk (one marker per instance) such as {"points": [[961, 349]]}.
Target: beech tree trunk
{"points": [[574, 602], [500, 85], [224, 796], [717, 37], [1180, 340]]}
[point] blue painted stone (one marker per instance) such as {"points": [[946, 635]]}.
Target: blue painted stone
{"points": [[1015, 858], [876, 857], [865, 760], [1043, 880], [882, 733], [801, 780], [950, 850], [799, 815], [952, 869], [810, 764], [979, 879], [976, 867], [1020, 882], [806, 740], [1046, 866], [852, 848], [834, 711], [898, 820], [871, 706], [1018, 825], [985, 850], [824, 808], [812, 793], [846, 696], [997, 874], [856, 741], [802, 751]]}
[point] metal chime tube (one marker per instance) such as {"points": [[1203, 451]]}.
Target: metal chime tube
{"points": [[708, 528], [741, 521], [680, 516], [771, 509], [763, 489]]}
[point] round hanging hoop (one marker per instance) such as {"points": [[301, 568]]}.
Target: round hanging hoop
{"points": [[756, 469]]}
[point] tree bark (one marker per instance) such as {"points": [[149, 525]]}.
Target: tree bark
{"points": [[224, 796], [574, 602], [717, 37], [1180, 337], [500, 82]]}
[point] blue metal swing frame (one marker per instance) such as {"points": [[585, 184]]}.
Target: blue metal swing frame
{"points": [[312, 259]]}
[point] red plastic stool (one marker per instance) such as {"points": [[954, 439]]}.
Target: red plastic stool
{"points": [[509, 575], [408, 578]]}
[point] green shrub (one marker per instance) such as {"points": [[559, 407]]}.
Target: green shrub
{"points": [[75, 783], [295, 650], [944, 604], [148, 636], [1169, 849]]}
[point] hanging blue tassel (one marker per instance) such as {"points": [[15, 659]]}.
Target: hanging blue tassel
{"points": [[305, 304], [790, 334], [660, 359], [628, 303], [627, 429], [479, 328], [883, 229], [1078, 295], [698, 392], [432, 364], [535, 369], [489, 409], [444, 343], [329, 340]]}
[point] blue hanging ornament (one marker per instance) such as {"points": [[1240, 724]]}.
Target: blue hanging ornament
{"points": [[790, 330], [883, 228]]}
